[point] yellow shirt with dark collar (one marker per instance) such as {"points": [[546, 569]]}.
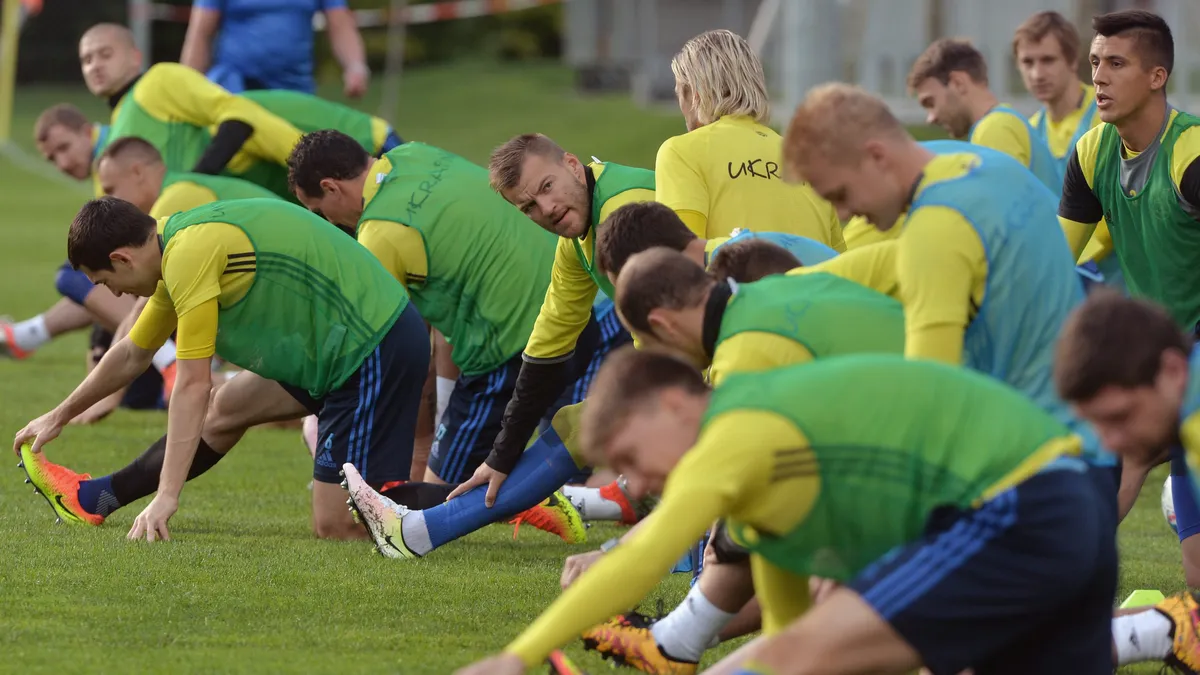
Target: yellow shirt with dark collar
{"points": [[171, 92], [204, 267], [728, 174], [568, 304], [183, 195], [400, 248]]}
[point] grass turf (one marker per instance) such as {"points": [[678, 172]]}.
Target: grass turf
{"points": [[244, 587]]}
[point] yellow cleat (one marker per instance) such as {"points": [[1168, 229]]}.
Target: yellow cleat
{"points": [[383, 517], [59, 486], [556, 515], [1184, 612], [626, 640]]}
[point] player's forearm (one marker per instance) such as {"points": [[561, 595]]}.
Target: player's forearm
{"points": [[538, 386], [120, 366], [616, 583], [345, 40], [197, 52], [229, 139], [1078, 234], [940, 342], [185, 422]]}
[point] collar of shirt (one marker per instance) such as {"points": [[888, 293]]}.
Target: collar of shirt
{"points": [[714, 311], [589, 177], [116, 98]]}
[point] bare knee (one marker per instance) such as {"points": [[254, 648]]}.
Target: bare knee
{"points": [[338, 531], [331, 518]]}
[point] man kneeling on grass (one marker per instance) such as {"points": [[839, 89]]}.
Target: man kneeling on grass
{"points": [[982, 528], [295, 301]]}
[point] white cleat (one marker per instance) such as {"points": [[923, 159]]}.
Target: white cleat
{"points": [[382, 516]]}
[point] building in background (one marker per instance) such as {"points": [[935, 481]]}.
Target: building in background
{"points": [[628, 44]]}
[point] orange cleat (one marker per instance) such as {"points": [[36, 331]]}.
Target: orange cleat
{"points": [[556, 515], [59, 486], [626, 640], [8, 342]]}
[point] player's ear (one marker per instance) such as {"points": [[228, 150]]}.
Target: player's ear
{"points": [[1158, 78], [959, 81], [1172, 373], [120, 256], [329, 186]]}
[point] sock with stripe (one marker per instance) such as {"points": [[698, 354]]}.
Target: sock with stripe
{"points": [[104, 495], [543, 468]]}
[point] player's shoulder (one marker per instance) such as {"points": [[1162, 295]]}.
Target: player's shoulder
{"points": [[166, 73]]}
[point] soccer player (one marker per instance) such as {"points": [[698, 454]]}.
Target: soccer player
{"points": [[669, 303], [478, 270], [982, 283], [277, 291], [950, 81], [982, 529], [1138, 170], [133, 170], [725, 172], [1124, 365], [643, 225], [69, 140], [571, 200], [266, 44], [1046, 49], [173, 107]]}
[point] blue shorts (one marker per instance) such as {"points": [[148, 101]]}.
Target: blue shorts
{"points": [[475, 412], [371, 419], [391, 142], [145, 392], [1023, 584]]}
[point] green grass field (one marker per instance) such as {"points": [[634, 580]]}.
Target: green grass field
{"points": [[244, 587]]}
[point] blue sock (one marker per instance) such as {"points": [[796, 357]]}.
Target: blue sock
{"points": [[1187, 513], [544, 467], [96, 496]]}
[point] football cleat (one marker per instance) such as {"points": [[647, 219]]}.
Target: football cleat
{"points": [[556, 515], [1184, 612], [59, 486], [626, 640], [560, 664], [8, 342], [382, 516], [613, 492]]}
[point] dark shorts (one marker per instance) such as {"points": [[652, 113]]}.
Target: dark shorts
{"points": [[371, 419], [390, 142], [144, 393], [1024, 584], [475, 412]]}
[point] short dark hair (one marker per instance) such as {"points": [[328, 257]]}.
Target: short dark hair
{"points": [[1150, 34], [102, 226], [132, 145], [1112, 340], [60, 115], [628, 377], [946, 56], [635, 227], [751, 260], [662, 278], [324, 154]]}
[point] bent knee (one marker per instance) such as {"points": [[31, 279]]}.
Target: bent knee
{"points": [[338, 529]]}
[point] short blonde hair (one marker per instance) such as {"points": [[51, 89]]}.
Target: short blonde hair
{"points": [[507, 161], [725, 75], [832, 124], [945, 56]]}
